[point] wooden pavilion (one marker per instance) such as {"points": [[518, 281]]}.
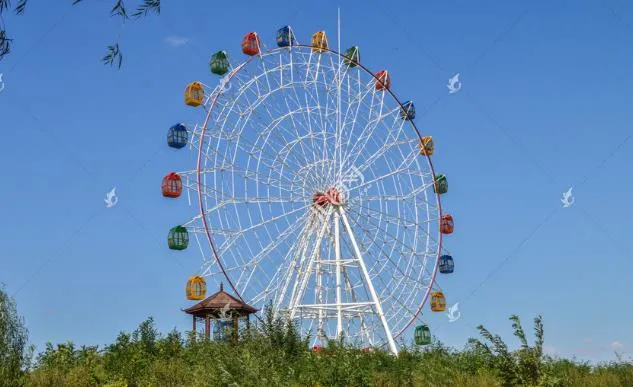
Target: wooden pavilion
{"points": [[223, 310]]}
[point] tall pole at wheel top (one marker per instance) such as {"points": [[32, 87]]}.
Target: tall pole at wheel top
{"points": [[337, 240], [339, 135]]}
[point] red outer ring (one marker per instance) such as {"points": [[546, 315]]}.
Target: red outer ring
{"points": [[202, 209]]}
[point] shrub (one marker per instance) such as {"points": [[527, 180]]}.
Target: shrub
{"points": [[273, 354], [14, 351]]}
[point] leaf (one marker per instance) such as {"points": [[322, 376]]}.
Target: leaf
{"points": [[518, 331], [147, 6], [114, 54], [538, 329], [19, 9], [5, 44], [4, 4], [119, 9]]}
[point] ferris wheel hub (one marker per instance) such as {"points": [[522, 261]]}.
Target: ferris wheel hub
{"points": [[331, 196]]}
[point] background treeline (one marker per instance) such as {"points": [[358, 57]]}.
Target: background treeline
{"points": [[273, 354]]}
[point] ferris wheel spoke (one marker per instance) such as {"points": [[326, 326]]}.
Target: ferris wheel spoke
{"points": [[374, 121], [243, 267], [408, 191], [378, 180], [353, 120], [368, 217], [300, 109], [219, 195], [332, 98], [412, 290], [319, 153], [398, 219], [389, 293], [274, 284], [387, 257], [263, 223], [397, 199], [370, 90], [283, 181], [402, 168], [388, 223], [299, 260], [298, 293], [251, 107], [264, 148], [368, 132], [225, 160], [244, 173], [256, 260], [405, 249], [310, 134], [275, 241], [314, 95], [381, 150], [309, 67]]}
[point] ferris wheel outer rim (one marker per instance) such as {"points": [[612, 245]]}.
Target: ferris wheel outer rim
{"points": [[199, 181]]}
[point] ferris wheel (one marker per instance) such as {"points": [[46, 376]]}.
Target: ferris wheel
{"points": [[315, 192]]}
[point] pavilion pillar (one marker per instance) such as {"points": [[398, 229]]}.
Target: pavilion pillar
{"points": [[207, 326], [235, 327], [194, 323]]}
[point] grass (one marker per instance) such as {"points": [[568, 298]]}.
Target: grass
{"points": [[274, 355]]}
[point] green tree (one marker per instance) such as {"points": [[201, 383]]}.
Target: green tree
{"points": [[15, 354]]}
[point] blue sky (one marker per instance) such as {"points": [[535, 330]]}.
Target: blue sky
{"points": [[545, 105]]}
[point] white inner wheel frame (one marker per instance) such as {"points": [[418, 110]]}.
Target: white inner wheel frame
{"points": [[285, 126]]}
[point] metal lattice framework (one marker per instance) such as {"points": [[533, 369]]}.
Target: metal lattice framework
{"points": [[314, 196]]}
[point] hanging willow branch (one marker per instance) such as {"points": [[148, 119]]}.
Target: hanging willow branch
{"points": [[5, 41], [4, 5], [5, 44], [113, 54], [19, 9], [119, 9], [146, 7]]}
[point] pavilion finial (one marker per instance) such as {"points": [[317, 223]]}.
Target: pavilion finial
{"points": [[221, 286]]}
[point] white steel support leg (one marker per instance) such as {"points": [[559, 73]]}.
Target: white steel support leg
{"points": [[370, 285], [354, 299], [306, 275], [302, 263], [319, 293], [337, 249], [297, 261]]}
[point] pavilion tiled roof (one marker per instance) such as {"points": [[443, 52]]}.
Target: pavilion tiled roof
{"points": [[218, 301]]}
